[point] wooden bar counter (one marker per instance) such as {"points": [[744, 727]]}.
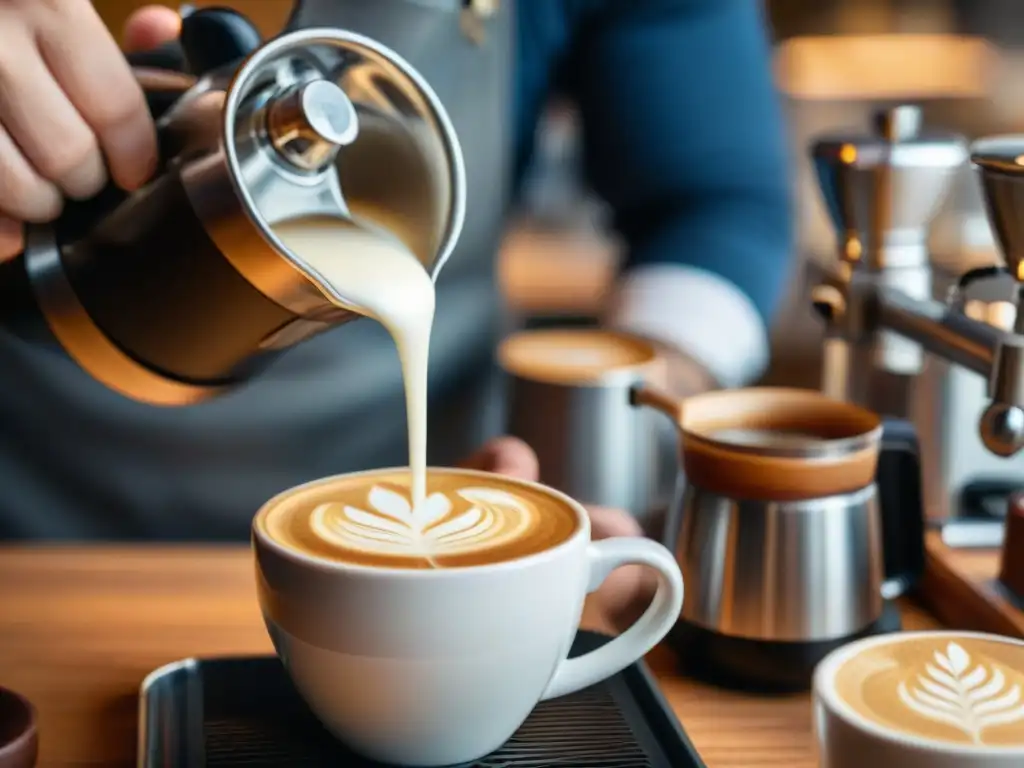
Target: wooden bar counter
{"points": [[80, 628]]}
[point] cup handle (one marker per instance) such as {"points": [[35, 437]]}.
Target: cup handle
{"points": [[604, 557]]}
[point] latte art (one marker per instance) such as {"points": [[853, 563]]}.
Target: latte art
{"points": [[960, 692], [390, 526], [947, 689], [466, 518]]}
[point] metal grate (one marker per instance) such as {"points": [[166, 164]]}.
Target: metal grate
{"points": [[585, 730], [244, 711]]}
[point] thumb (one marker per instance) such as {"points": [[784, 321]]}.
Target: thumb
{"points": [[505, 456], [150, 27]]}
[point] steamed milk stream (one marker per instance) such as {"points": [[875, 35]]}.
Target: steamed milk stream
{"points": [[406, 519], [383, 280]]}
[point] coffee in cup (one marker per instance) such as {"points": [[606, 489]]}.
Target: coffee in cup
{"points": [[425, 636], [920, 699], [576, 356], [464, 520]]}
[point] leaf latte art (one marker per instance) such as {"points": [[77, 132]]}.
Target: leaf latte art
{"points": [[466, 518], [943, 687], [388, 525], [968, 696]]}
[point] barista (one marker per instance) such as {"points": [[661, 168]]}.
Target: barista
{"points": [[683, 140]]}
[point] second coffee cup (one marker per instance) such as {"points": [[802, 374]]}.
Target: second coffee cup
{"points": [[425, 637], [568, 399], [922, 700]]}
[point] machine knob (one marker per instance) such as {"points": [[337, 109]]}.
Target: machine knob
{"points": [[1002, 429], [828, 302]]}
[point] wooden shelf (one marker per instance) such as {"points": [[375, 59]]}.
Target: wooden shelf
{"points": [[962, 589]]}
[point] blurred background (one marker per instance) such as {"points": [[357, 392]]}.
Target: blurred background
{"points": [[835, 61]]}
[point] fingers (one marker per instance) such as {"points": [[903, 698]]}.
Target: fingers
{"points": [[625, 594], [150, 27], [24, 194], [627, 591], [67, 97], [11, 238], [505, 456], [46, 127], [606, 522], [104, 94]]}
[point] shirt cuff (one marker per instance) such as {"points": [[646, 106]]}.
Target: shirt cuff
{"points": [[697, 312]]}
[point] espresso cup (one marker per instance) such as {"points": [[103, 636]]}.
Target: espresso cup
{"points": [[568, 399], [922, 700], [425, 637]]}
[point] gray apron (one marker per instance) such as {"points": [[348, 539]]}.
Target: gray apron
{"points": [[78, 461]]}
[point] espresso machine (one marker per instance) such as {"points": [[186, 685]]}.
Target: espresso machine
{"points": [[782, 568], [181, 290], [898, 344]]}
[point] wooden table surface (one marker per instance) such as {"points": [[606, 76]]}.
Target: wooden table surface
{"points": [[80, 628]]}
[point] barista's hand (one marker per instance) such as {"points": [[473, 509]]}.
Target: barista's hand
{"points": [[71, 114], [628, 590]]}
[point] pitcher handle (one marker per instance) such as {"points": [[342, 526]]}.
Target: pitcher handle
{"points": [[901, 504]]}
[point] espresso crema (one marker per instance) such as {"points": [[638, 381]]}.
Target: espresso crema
{"points": [[956, 690], [574, 356], [464, 520]]}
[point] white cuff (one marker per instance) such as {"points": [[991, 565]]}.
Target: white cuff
{"points": [[697, 312]]}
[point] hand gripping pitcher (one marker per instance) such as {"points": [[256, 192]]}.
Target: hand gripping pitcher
{"points": [[181, 290]]}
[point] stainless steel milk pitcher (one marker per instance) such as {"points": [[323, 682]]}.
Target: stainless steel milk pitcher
{"points": [[801, 518], [180, 290]]}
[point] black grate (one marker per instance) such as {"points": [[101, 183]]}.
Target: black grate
{"points": [[587, 730], [224, 713]]}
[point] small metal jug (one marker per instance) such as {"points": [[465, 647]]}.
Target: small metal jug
{"points": [[800, 520], [181, 290]]}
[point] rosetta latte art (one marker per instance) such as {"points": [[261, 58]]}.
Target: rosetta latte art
{"points": [[967, 695], [390, 526]]}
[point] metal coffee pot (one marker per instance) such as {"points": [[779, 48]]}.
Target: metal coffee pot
{"points": [[181, 290], [798, 519]]}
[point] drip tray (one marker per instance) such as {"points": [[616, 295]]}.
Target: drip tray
{"points": [[222, 713]]}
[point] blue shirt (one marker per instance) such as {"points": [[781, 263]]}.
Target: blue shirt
{"points": [[683, 135]]}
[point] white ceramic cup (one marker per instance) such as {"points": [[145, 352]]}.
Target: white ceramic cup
{"points": [[940, 684], [437, 667]]}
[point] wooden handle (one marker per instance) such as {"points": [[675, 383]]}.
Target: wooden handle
{"points": [[1011, 569], [658, 399]]}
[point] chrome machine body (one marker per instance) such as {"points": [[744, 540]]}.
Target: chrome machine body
{"points": [[897, 344]]}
